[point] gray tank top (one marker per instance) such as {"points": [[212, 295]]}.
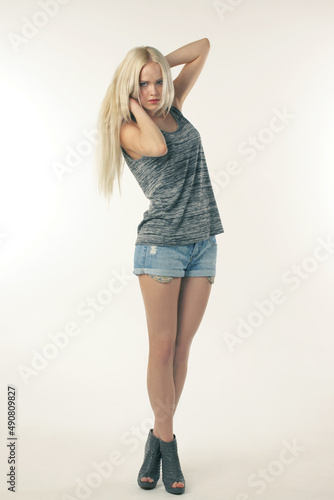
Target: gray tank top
{"points": [[182, 208]]}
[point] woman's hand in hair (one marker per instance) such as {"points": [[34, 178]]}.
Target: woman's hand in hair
{"points": [[145, 138], [133, 104]]}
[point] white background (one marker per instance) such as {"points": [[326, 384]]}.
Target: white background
{"points": [[247, 395]]}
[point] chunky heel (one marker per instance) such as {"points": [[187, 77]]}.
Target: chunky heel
{"points": [[151, 463], [171, 468]]}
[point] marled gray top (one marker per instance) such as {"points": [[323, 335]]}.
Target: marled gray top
{"points": [[182, 208]]}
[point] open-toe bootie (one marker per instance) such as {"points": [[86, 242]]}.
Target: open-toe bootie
{"points": [[171, 468], [151, 464]]}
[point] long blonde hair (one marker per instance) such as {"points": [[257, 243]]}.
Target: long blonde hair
{"points": [[115, 109]]}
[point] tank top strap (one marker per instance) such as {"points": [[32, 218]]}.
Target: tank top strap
{"points": [[177, 111]]}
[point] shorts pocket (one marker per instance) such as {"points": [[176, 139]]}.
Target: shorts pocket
{"points": [[212, 240]]}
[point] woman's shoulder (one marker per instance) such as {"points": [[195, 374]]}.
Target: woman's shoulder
{"points": [[126, 131], [126, 135]]}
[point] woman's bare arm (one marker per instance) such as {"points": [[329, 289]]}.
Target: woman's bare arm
{"points": [[188, 53], [146, 138], [193, 56]]}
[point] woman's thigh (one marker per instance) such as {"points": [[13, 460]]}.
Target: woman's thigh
{"points": [[193, 299], [161, 305]]}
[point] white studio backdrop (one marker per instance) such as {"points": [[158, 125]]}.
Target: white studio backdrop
{"points": [[255, 417]]}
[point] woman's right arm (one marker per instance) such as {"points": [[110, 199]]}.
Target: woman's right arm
{"points": [[145, 138]]}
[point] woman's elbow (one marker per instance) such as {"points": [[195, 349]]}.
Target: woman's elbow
{"points": [[162, 151]]}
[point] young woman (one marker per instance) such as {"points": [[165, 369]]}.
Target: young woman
{"points": [[141, 121]]}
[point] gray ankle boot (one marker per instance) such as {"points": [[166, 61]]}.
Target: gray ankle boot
{"points": [[151, 464], [171, 469]]}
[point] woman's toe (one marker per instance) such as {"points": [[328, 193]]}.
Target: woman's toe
{"points": [[177, 484]]}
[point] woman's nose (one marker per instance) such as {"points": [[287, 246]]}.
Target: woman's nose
{"points": [[153, 89]]}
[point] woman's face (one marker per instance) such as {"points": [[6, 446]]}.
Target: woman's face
{"points": [[150, 84]]}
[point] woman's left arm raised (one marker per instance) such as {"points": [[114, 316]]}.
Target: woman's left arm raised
{"points": [[193, 56]]}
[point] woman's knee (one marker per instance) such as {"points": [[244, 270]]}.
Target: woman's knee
{"points": [[181, 353], [162, 352]]}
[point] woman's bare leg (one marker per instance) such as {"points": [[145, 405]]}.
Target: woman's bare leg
{"points": [[193, 299], [174, 311], [161, 305]]}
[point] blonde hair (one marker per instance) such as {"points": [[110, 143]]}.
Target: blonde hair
{"points": [[115, 110]]}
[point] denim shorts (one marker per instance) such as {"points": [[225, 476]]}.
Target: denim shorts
{"points": [[163, 263]]}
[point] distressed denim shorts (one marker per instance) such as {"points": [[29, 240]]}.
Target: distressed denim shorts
{"points": [[163, 263]]}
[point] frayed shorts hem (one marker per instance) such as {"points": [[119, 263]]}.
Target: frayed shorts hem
{"points": [[164, 278], [174, 274]]}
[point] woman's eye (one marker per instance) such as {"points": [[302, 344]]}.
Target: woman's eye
{"points": [[142, 84]]}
